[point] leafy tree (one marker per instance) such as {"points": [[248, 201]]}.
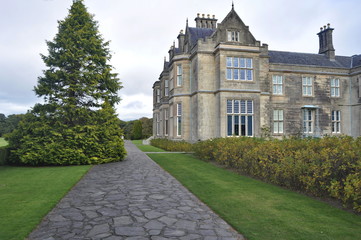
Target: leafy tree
{"points": [[147, 127], [8, 124], [77, 122], [137, 130]]}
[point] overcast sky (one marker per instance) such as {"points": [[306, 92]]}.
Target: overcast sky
{"points": [[141, 33]]}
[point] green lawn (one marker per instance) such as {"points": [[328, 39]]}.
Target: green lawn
{"points": [[146, 148], [3, 142], [258, 210], [28, 194]]}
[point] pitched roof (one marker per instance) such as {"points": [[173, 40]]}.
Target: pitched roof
{"points": [[198, 33], [309, 59], [356, 61]]}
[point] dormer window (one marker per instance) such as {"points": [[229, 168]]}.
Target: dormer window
{"points": [[232, 36]]}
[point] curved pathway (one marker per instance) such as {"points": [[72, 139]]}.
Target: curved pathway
{"points": [[132, 199]]}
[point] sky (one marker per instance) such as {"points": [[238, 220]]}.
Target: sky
{"points": [[141, 33]]}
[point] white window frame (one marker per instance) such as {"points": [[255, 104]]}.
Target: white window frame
{"points": [[239, 69], [179, 119], [233, 36], [278, 124], [179, 75], [307, 86], [158, 95], [157, 124], [166, 122], [335, 87], [336, 121], [277, 84], [308, 121], [240, 113], [166, 88]]}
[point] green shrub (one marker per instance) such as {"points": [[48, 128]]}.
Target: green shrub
{"points": [[4, 153], [173, 146], [330, 166]]}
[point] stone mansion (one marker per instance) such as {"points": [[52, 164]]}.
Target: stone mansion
{"points": [[220, 81]]}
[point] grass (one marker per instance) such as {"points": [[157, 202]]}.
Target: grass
{"points": [[3, 142], [258, 210], [28, 194], [146, 148]]}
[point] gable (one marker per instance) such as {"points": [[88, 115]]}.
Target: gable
{"points": [[233, 23]]}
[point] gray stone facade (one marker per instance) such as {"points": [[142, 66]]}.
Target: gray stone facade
{"points": [[220, 81]]}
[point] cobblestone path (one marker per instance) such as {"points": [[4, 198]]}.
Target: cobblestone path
{"points": [[133, 199]]}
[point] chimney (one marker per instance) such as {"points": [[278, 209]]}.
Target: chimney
{"points": [[181, 38], [206, 21], [326, 45]]}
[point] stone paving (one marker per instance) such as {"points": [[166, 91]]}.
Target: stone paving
{"points": [[132, 199]]}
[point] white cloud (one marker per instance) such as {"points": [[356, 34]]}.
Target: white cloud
{"points": [[135, 106]]}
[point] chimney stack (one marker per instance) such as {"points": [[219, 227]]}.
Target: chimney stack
{"points": [[206, 21], [325, 39], [181, 38]]}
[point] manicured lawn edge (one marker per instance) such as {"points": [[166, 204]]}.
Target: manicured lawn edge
{"points": [[256, 209], [28, 194]]}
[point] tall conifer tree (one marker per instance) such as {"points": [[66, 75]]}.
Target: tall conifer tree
{"points": [[77, 122]]}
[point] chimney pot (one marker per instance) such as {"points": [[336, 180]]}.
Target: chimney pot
{"points": [[214, 16], [198, 14], [202, 15], [321, 29], [208, 16], [328, 25]]}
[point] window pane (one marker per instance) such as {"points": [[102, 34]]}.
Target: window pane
{"points": [[243, 106], [235, 74], [236, 106], [229, 36], [337, 92], [280, 115], [229, 74], [275, 115], [242, 62], [249, 75], [243, 125], [229, 106], [236, 125], [332, 82], [275, 127], [235, 62], [280, 127], [250, 126], [229, 125], [274, 89], [229, 62], [332, 91], [179, 132], [243, 74], [280, 80], [274, 79], [249, 62], [250, 107]]}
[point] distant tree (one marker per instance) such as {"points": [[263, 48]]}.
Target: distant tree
{"points": [[9, 123], [77, 122], [137, 130], [147, 127]]}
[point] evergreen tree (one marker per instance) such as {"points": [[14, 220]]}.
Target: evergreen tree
{"points": [[77, 122], [137, 130]]}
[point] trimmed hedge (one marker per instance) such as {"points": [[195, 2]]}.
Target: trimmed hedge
{"points": [[330, 166], [172, 146], [4, 153]]}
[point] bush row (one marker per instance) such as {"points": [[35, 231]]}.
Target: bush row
{"points": [[330, 166], [173, 146]]}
